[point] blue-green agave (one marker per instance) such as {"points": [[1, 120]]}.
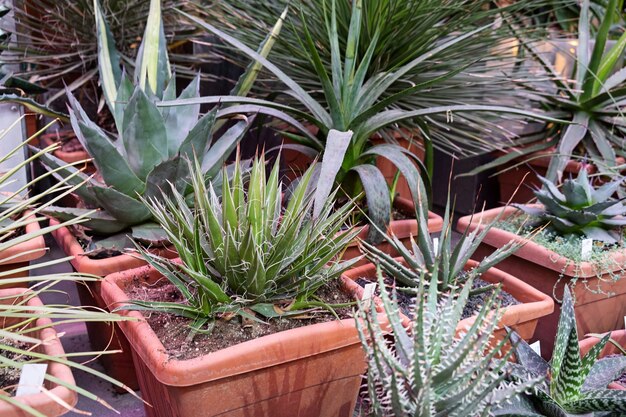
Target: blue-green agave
{"points": [[573, 385]]}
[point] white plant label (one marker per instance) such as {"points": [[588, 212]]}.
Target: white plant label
{"points": [[587, 247], [536, 347], [436, 245], [624, 322], [31, 379], [368, 291]]}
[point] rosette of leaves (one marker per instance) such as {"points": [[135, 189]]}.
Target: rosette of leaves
{"points": [[573, 385], [578, 208], [249, 253], [438, 257], [152, 144], [429, 369]]}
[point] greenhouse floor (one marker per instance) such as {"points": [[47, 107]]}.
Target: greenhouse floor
{"points": [[76, 340]]}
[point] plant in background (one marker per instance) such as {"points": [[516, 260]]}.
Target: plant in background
{"points": [[249, 251], [589, 99], [353, 102], [55, 43], [430, 370], [578, 208], [436, 257], [573, 385], [152, 143]]}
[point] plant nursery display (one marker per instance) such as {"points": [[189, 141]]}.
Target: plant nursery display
{"points": [[248, 265], [572, 216], [573, 385], [428, 369]]}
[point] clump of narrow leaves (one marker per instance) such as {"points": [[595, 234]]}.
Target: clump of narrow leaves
{"points": [[430, 369], [436, 257], [578, 208], [573, 385], [248, 251]]}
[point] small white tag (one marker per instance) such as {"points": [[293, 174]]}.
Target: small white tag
{"points": [[31, 379], [587, 247], [624, 322], [536, 347], [436, 245], [368, 291]]}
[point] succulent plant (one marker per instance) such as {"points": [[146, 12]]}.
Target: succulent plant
{"points": [[430, 370], [573, 385], [152, 144], [249, 250], [579, 208]]}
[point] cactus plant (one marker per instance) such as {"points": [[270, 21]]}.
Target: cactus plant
{"points": [[429, 370], [573, 385], [580, 209]]}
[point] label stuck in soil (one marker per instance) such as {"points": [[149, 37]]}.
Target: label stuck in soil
{"points": [[31, 378], [368, 291], [587, 246]]}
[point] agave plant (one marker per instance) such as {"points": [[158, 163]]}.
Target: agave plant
{"points": [[246, 251], [13, 337], [580, 209], [56, 44], [589, 100], [430, 370], [436, 257], [352, 102], [573, 385], [152, 143]]}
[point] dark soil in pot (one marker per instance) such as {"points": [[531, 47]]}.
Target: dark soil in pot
{"points": [[9, 376], [174, 331]]}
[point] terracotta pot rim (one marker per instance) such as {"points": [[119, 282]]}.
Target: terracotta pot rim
{"points": [[320, 337], [549, 259], [35, 246], [68, 157], [540, 306], [41, 401]]}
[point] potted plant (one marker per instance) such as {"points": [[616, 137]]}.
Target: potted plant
{"points": [[554, 259], [429, 368], [615, 347], [448, 263], [589, 106], [246, 261], [573, 385], [351, 104]]}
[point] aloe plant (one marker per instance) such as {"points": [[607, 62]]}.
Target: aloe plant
{"points": [[249, 250], [152, 144], [430, 369], [351, 104], [573, 385], [436, 257], [578, 208]]}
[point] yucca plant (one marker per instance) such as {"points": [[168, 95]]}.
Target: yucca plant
{"points": [[429, 369], [249, 250], [13, 338], [441, 258], [589, 99], [152, 143], [579, 208], [573, 385], [352, 102]]}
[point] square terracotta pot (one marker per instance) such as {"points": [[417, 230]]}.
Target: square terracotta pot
{"points": [[40, 402], [523, 318], [549, 273], [311, 371]]}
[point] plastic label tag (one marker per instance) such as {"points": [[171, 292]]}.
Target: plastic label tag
{"points": [[624, 322], [368, 291], [436, 245], [536, 347], [587, 247], [31, 379]]}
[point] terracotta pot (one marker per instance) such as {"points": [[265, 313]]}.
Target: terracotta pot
{"points": [[549, 273], [41, 402], [103, 336], [68, 157], [311, 371], [522, 318], [526, 174], [403, 229], [20, 255], [619, 336]]}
